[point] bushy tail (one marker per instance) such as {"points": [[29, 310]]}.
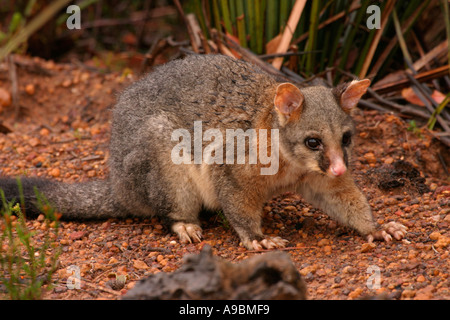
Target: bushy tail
{"points": [[77, 201]]}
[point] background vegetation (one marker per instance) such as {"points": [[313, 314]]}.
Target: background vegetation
{"points": [[327, 41]]}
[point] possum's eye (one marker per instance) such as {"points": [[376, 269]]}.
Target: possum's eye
{"points": [[313, 143], [346, 139]]}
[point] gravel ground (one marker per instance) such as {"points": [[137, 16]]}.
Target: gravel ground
{"points": [[64, 136]]}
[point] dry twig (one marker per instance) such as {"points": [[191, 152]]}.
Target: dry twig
{"points": [[289, 31]]}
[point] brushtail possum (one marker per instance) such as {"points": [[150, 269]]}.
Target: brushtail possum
{"points": [[209, 131]]}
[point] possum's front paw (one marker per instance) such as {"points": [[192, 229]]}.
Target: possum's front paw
{"points": [[266, 243], [387, 231], [187, 232]]}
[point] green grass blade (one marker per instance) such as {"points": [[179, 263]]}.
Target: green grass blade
{"points": [[311, 44], [216, 15], [226, 16], [240, 22], [442, 105], [350, 39], [272, 27], [401, 39], [284, 14], [250, 23], [260, 6], [32, 27]]}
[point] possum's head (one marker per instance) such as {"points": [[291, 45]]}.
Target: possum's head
{"points": [[316, 130]]}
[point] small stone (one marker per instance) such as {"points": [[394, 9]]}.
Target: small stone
{"points": [[425, 293], [5, 98], [389, 160], [290, 208], [366, 247], [44, 132], [435, 235], [442, 242], [139, 264], [113, 260], [34, 142], [349, 270], [408, 293], [84, 76], [66, 83], [77, 235], [309, 269], [55, 172], [420, 278], [412, 254], [390, 201], [323, 242], [163, 262], [370, 157], [105, 225], [355, 293], [30, 89]]}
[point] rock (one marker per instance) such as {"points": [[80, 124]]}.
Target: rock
{"points": [[420, 278], [323, 242], [355, 293], [34, 142], [435, 235], [66, 83], [30, 89], [139, 264], [203, 276], [327, 249], [5, 98], [77, 235], [55, 172], [425, 293], [307, 270], [366, 247], [442, 242], [370, 157], [44, 132], [408, 293], [290, 208], [349, 270]]}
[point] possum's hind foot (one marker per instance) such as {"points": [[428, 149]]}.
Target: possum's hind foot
{"points": [[187, 232]]}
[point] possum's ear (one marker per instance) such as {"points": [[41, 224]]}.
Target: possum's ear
{"points": [[288, 102], [349, 94]]}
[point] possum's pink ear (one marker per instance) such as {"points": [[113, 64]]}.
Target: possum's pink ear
{"points": [[353, 93], [288, 102]]}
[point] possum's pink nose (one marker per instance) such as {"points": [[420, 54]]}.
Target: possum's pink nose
{"points": [[337, 166]]}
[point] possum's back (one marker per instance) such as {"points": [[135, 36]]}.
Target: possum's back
{"points": [[195, 88]]}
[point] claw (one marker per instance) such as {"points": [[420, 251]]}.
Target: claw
{"points": [[187, 232], [267, 243], [389, 230]]}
